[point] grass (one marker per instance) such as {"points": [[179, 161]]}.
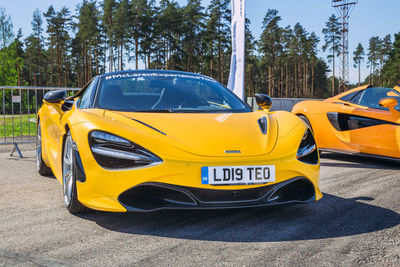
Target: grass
{"points": [[28, 125]]}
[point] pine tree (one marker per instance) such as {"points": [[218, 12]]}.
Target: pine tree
{"points": [[33, 51], [194, 22], [9, 60], [332, 43], [109, 7], [385, 48], [312, 48], [148, 35], [270, 46], [300, 37], [250, 61], [87, 50], [6, 29], [373, 57], [321, 79], [218, 38], [166, 35], [58, 25], [19, 57], [138, 14], [120, 26], [358, 58], [391, 69]]}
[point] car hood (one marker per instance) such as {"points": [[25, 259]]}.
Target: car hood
{"points": [[207, 134]]}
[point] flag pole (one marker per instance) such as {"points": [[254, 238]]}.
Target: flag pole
{"points": [[237, 73]]}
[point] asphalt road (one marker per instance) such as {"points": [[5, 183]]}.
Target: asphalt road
{"points": [[356, 223]]}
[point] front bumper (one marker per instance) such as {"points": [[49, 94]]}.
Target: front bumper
{"points": [[180, 172], [158, 196], [177, 185]]}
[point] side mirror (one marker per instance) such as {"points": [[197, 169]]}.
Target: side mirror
{"points": [[263, 101], [389, 103], [55, 96]]}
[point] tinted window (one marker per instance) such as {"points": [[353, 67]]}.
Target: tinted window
{"points": [[350, 96], [357, 97], [166, 92], [372, 96], [86, 97]]}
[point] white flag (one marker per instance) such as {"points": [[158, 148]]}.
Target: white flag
{"points": [[236, 75]]}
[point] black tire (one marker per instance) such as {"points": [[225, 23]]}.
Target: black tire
{"points": [[41, 167], [69, 181]]}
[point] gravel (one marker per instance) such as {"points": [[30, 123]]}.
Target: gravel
{"points": [[357, 222]]}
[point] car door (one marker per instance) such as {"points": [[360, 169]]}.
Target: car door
{"points": [[52, 132], [52, 122], [373, 129]]}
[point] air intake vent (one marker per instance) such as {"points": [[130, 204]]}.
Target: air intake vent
{"points": [[262, 122]]}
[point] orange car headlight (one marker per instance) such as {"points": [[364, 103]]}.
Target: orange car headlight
{"points": [[114, 152]]}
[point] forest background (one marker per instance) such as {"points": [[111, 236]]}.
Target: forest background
{"points": [[74, 46]]}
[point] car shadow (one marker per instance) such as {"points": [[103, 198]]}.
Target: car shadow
{"points": [[353, 161], [30, 159], [331, 217], [16, 158]]}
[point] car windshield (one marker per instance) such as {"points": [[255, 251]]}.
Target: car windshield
{"points": [[166, 92]]}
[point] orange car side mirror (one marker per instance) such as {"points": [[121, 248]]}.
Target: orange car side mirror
{"points": [[389, 103]]}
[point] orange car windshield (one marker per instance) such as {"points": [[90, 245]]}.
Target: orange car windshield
{"points": [[371, 97]]}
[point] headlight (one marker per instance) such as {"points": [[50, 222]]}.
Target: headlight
{"points": [[114, 152], [308, 152]]}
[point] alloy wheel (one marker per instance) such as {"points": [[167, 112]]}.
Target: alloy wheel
{"points": [[68, 170]]}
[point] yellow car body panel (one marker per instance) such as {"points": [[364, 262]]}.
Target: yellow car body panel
{"points": [[185, 142], [382, 139], [102, 187]]}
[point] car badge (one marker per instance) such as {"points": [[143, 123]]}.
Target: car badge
{"points": [[232, 151]]}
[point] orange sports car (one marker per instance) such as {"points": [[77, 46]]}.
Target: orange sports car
{"points": [[364, 120]]}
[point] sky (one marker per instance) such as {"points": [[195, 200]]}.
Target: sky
{"points": [[369, 18]]}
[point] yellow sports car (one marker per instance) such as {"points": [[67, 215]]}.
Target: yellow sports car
{"points": [[150, 140]]}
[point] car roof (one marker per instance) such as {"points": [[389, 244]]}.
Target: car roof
{"points": [[350, 91], [339, 96]]}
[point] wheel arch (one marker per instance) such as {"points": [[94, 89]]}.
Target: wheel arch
{"points": [[81, 176], [306, 120], [299, 114], [74, 206], [64, 137]]}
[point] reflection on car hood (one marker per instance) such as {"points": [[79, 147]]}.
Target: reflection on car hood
{"points": [[208, 134]]}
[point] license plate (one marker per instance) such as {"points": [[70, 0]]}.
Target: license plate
{"points": [[238, 175]]}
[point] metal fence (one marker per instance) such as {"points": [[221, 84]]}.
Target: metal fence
{"points": [[285, 104], [19, 106]]}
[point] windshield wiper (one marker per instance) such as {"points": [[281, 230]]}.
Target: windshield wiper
{"points": [[172, 110], [189, 111]]}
